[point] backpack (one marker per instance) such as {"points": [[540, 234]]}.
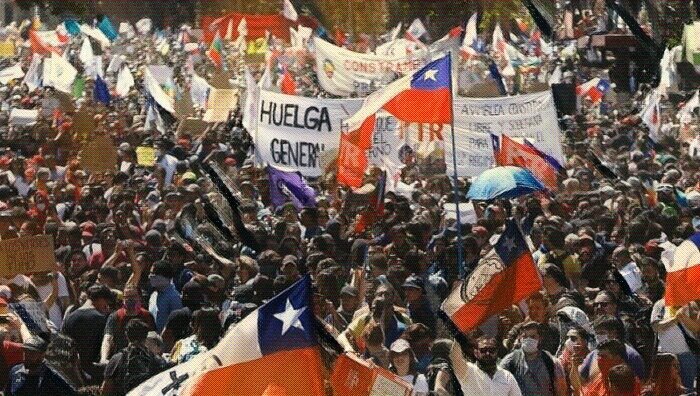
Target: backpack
{"points": [[136, 366], [432, 371]]}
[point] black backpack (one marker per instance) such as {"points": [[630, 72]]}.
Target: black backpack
{"points": [[136, 366]]}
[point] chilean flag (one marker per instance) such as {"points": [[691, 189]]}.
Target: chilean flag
{"points": [[528, 157], [423, 97], [273, 348], [594, 89], [683, 273], [505, 276]]}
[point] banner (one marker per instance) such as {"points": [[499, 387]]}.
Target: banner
{"points": [[294, 131], [532, 116], [26, 255], [220, 104], [343, 72]]}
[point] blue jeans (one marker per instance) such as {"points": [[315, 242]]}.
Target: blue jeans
{"points": [[689, 369]]}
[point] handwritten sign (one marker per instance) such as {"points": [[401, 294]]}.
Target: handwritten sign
{"points": [[145, 156], [26, 255]]}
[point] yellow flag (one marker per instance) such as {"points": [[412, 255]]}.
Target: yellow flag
{"points": [[257, 46]]}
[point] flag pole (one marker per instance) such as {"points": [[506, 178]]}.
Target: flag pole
{"points": [[460, 248]]}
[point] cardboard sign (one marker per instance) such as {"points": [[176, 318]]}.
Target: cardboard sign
{"points": [[26, 255], [146, 156], [220, 104], [7, 49], [191, 126], [99, 155], [83, 126]]}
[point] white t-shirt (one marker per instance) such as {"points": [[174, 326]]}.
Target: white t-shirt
{"points": [[55, 313], [169, 163], [420, 387], [475, 382], [670, 339]]}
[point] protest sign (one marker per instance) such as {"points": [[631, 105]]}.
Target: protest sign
{"points": [[355, 376], [294, 131], [191, 126], [145, 156], [23, 117], [532, 116], [99, 155], [7, 49], [26, 255], [83, 126], [221, 102]]}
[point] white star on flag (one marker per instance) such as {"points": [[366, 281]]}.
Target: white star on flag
{"points": [[509, 244], [430, 75], [290, 317]]}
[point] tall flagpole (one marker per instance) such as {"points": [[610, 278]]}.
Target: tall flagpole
{"points": [[460, 248]]}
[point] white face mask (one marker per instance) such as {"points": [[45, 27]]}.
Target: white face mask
{"points": [[569, 345], [529, 345], [601, 338]]}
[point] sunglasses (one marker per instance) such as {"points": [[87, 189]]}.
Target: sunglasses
{"points": [[486, 350], [601, 304], [573, 337]]}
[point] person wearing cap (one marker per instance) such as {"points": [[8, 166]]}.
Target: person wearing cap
{"points": [[349, 302], [403, 364], [86, 326], [27, 378], [115, 329], [417, 302]]}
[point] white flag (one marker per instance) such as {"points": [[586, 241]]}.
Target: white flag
{"points": [[265, 82], [86, 54], [115, 64], [289, 12], [144, 25], [59, 73], [199, 90], [126, 30], [499, 46], [395, 32], [252, 94], [242, 27], [651, 115], [125, 80], [416, 30], [555, 77], [153, 87], [294, 38], [96, 34], [229, 30], [10, 73], [33, 77], [470, 37]]}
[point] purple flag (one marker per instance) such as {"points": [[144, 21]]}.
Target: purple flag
{"points": [[290, 186]]}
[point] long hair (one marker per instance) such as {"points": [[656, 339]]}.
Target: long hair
{"points": [[663, 383]]}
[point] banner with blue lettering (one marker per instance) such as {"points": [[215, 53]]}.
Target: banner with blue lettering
{"points": [[531, 116], [294, 132]]}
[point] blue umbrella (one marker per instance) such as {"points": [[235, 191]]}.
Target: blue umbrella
{"points": [[504, 182]]}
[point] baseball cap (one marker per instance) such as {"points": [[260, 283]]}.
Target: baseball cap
{"points": [[413, 282], [349, 290], [400, 346], [35, 344]]}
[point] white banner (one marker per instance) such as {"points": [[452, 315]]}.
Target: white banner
{"points": [[343, 72], [293, 131], [532, 116]]}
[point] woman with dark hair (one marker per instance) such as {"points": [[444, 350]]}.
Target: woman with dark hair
{"points": [[574, 351], [206, 329], [404, 364], [665, 379]]}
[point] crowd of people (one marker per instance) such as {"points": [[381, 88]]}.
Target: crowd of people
{"points": [[134, 291]]}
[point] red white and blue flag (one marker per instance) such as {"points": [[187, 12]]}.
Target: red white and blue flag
{"points": [[593, 89], [423, 97], [273, 348], [527, 156], [683, 273], [505, 276]]}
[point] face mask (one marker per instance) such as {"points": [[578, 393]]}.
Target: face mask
{"points": [[158, 282], [599, 339], [528, 345], [41, 207]]}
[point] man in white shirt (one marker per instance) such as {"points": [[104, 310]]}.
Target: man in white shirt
{"points": [[671, 340], [627, 268], [483, 378]]}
